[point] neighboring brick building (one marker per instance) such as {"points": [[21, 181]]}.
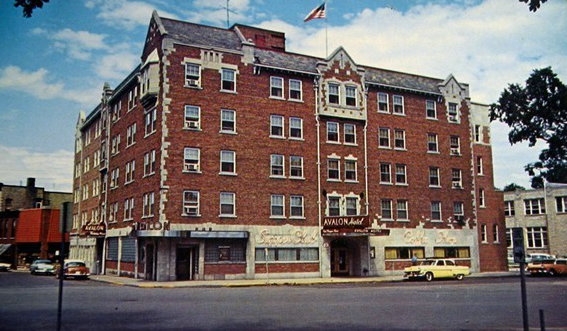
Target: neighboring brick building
{"points": [[543, 215], [29, 222], [224, 156]]}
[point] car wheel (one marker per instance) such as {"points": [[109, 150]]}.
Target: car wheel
{"points": [[460, 277], [429, 276]]}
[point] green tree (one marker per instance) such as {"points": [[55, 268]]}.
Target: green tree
{"points": [[538, 112], [533, 4], [513, 187], [28, 6]]}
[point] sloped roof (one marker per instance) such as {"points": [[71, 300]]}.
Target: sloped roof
{"points": [[196, 34]]}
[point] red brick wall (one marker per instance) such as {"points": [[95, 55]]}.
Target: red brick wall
{"points": [[260, 268], [224, 268]]}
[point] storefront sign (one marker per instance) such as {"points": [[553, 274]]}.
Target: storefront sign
{"points": [[345, 222], [96, 230], [355, 231], [153, 225], [293, 237]]}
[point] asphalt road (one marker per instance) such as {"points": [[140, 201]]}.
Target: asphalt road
{"points": [[30, 303]]}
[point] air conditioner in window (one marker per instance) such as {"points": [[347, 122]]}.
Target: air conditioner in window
{"points": [[190, 210], [457, 185], [191, 167], [192, 82], [453, 118], [459, 219], [455, 151], [193, 124]]}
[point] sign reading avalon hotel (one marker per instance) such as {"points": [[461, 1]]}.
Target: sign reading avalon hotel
{"points": [[353, 222]]}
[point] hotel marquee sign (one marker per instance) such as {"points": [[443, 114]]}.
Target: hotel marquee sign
{"points": [[346, 222]]}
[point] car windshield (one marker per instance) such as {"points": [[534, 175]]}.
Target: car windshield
{"points": [[75, 264], [42, 262], [427, 262]]}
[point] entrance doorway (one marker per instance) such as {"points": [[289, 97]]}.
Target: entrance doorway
{"points": [[185, 263], [341, 258], [150, 262]]}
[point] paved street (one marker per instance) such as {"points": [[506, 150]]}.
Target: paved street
{"points": [[30, 303]]}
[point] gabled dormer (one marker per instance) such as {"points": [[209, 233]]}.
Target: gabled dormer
{"points": [[149, 79], [341, 92], [454, 93]]}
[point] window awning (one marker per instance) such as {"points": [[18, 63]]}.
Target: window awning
{"points": [[4, 248], [219, 234]]}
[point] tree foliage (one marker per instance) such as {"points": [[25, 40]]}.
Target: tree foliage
{"points": [[513, 187], [28, 6], [538, 112], [533, 4]]}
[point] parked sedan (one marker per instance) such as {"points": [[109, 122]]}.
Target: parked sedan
{"points": [[548, 268], [5, 266], [44, 267], [75, 269]]}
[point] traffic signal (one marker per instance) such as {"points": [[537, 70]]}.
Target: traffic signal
{"points": [[518, 244]]}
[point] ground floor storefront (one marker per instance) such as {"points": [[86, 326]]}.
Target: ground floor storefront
{"points": [[257, 252]]}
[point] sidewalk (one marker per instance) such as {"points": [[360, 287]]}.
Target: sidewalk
{"points": [[125, 281]]}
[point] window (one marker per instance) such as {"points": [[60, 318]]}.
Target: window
{"points": [[295, 128], [191, 159], [130, 167], [227, 204], [455, 145], [150, 121], [148, 204], [351, 206], [509, 208], [277, 165], [296, 206], [403, 253], [228, 121], [561, 204], [113, 213], [537, 237], [436, 211], [456, 178], [128, 209], [277, 205], [495, 233], [334, 204], [402, 209], [386, 209], [276, 87], [434, 177], [398, 102], [276, 126], [399, 139], [295, 166], [401, 176], [384, 138], [452, 252], [432, 143], [332, 132], [228, 162], [479, 166], [534, 206], [383, 102], [225, 250], [334, 96], [350, 95], [131, 135], [114, 174], [333, 171], [192, 117], [385, 173], [228, 80], [350, 134], [477, 134], [149, 163], [350, 170], [481, 198], [132, 96], [458, 208], [430, 111], [191, 203], [295, 89], [114, 149], [192, 75], [287, 254], [483, 233], [452, 112]]}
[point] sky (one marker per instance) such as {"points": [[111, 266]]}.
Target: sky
{"points": [[54, 64]]}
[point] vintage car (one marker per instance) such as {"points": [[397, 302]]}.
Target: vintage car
{"points": [[5, 266], [548, 267], [45, 267], [74, 269], [430, 269]]}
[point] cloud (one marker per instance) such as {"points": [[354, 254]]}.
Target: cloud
{"points": [[33, 83], [125, 14], [53, 171], [76, 44]]}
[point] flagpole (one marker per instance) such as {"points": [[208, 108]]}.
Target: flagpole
{"points": [[326, 30]]}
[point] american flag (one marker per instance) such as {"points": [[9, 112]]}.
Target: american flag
{"points": [[318, 12]]}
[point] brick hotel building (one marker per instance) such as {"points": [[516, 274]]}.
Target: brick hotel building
{"points": [[223, 156]]}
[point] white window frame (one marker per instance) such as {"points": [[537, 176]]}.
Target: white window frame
{"points": [[350, 96], [296, 202], [434, 177], [333, 131], [228, 80], [277, 122], [383, 102], [276, 87], [228, 116], [192, 117], [296, 128], [400, 139], [351, 170], [277, 206], [401, 174], [192, 77], [191, 159], [456, 178], [386, 211], [277, 166], [332, 170], [295, 168], [385, 173], [402, 207], [227, 158], [295, 90], [349, 134], [430, 109], [436, 209], [384, 137], [398, 105], [432, 143], [191, 203], [334, 93], [227, 199]]}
